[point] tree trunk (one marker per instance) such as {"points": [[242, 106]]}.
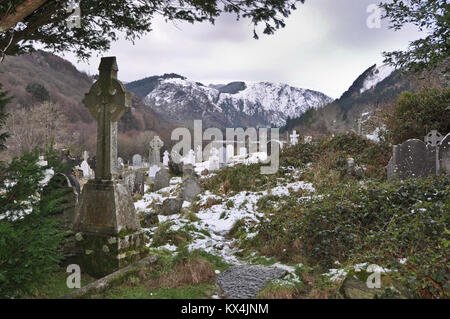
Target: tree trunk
{"points": [[22, 11]]}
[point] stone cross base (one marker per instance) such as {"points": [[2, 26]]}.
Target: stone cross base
{"points": [[100, 255], [108, 230]]}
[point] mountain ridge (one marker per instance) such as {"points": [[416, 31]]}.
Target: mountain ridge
{"points": [[238, 103]]}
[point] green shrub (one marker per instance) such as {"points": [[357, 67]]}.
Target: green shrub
{"points": [[29, 235], [382, 222], [416, 114]]}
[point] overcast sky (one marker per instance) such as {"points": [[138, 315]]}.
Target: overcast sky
{"points": [[325, 45]]}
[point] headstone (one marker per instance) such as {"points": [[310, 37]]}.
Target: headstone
{"points": [[175, 164], [294, 138], [412, 159], [162, 179], [190, 189], [434, 138], [307, 139], [155, 145], [172, 206], [137, 161], [108, 230], [166, 159], [213, 162], [188, 171], [444, 155], [134, 180]]}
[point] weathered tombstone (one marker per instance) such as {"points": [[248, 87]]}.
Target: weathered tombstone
{"points": [[162, 179], [137, 161], [129, 178], [175, 164], [294, 138], [412, 159], [444, 154], [155, 146], [139, 182], [172, 205], [213, 162], [188, 171], [166, 159], [308, 139], [190, 189], [434, 138], [109, 234]]}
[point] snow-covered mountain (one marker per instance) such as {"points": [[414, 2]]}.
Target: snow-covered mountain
{"points": [[237, 104], [375, 75]]}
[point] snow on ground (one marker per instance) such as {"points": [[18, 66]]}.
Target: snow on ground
{"points": [[338, 274], [216, 221]]}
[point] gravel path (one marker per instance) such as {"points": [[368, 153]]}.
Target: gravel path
{"points": [[245, 282]]}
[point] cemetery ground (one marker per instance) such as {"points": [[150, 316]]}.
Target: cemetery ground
{"points": [[321, 223]]}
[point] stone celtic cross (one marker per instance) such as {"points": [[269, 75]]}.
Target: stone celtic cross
{"points": [[434, 138], [107, 101], [155, 146]]}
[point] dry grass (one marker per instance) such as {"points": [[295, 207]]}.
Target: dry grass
{"points": [[192, 272], [279, 292]]}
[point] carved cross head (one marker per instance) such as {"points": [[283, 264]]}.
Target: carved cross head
{"points": [[434, 138], [156, 143], [108, 92]]}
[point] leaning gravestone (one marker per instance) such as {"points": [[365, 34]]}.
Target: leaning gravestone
{"points": [[190, 188], [109, 234], [162, 179]]}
